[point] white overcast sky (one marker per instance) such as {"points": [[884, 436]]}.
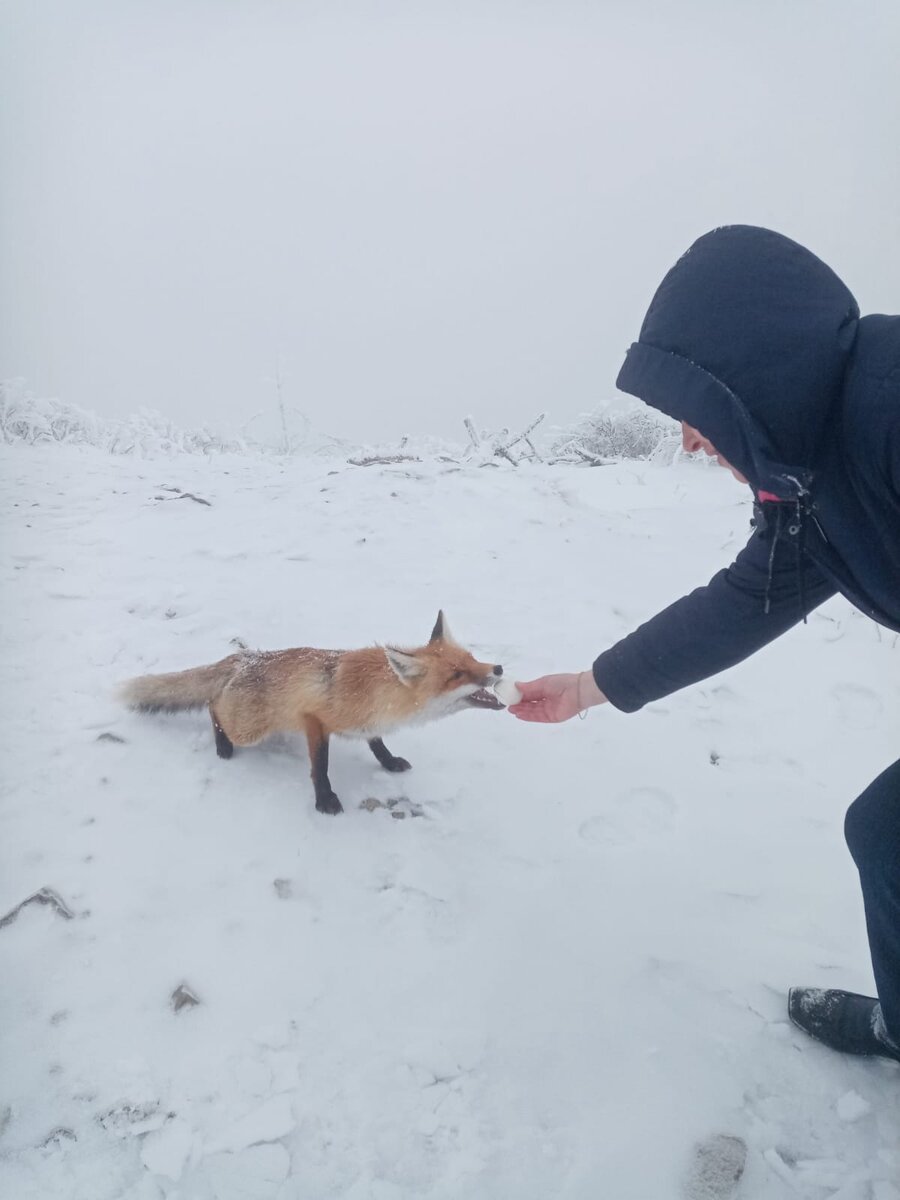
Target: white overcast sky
{"points": [[414, 210]]}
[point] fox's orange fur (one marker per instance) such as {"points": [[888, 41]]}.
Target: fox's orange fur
{"points": [[363, 693]]}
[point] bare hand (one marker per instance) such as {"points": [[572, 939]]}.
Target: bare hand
{"points": [[554, 698]]}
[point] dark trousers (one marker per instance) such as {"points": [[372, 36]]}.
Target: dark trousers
{"points": [[872, 829]]}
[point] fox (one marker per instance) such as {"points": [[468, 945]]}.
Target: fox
{"points": [[364, 693]]}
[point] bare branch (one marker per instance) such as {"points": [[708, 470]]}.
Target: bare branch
{"points": [[382, 459], [44, 895], [525, 434]]}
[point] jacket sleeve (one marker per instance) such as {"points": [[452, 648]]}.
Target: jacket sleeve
{"points": [[715, 626]]}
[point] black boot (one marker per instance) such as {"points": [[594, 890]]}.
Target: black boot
{"points": [[842, 1020]]}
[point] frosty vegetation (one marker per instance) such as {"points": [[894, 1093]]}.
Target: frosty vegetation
{"points": [[597, 439]]}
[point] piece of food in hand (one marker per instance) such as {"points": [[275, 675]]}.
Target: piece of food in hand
{"points": [[507, 692]]}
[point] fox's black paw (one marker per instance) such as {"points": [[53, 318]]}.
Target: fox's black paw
{"points": [[329, 804], [397, 764], [224, 744]]}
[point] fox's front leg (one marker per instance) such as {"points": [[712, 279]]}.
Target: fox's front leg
{"points": [[224, 744], [389, 761], [326, 800]]}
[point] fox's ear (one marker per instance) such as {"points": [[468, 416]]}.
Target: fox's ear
{"points": [[441, 631], [405, 666]]}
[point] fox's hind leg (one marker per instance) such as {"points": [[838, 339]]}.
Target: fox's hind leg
{"points": [[224, 744], [326, 800], [389, 761]]}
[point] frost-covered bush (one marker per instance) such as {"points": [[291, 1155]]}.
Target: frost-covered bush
{"points": [[29, 419], [637, 433]]}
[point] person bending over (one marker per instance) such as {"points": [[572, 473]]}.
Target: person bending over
{"points": [[759, 350]]}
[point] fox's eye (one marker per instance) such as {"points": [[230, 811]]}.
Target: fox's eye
{"points": [[457, 675]]}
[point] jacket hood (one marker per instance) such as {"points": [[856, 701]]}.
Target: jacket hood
{"points": [[747, 339]]}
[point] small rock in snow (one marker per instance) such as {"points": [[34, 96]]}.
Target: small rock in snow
{"points": [[183, 997]]}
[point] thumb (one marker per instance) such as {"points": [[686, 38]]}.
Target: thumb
{"points": [[534, 689]]}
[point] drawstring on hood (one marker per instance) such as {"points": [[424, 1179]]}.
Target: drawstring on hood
{"points": [[775, 536], [795, 529]]}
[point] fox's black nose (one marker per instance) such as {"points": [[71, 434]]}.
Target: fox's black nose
{"points": [[498, 670]]}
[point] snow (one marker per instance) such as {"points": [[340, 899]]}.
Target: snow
{"points": [[164, 1151], [507, 691], [851, 1106], [566, 973]]}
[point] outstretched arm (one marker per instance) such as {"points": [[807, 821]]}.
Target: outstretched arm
{"points": [[741, 609]]}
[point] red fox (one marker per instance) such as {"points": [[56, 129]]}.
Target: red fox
{"points": [[357, 693]]}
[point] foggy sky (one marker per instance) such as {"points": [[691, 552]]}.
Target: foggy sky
{"points": [[412, 211]]}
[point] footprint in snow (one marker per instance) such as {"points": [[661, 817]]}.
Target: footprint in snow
{"points": [[630, 818]]}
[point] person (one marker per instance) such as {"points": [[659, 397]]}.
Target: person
{"points": [[759, 350]]}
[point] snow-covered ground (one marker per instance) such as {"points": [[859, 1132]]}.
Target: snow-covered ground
{"points": [[561, 970]]}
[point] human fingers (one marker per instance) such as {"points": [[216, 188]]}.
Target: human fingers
{"points": [[535, 710], [534, 689]]}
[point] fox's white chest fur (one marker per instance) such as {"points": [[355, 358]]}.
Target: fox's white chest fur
{"points": [[433, 709]]}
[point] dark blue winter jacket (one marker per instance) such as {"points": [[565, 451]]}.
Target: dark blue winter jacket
{"points": [[757, 344]]}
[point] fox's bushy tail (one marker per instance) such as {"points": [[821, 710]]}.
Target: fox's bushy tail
{"points": [[179, 690]]}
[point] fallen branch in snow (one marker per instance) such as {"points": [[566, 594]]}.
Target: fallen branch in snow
{"points": [[581, 455], [500, 444], [382, 460], [525, 436], [44, 895], [181, 495]]}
